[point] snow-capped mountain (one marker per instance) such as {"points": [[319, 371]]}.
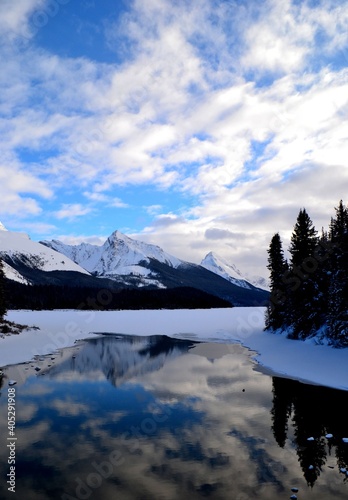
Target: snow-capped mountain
{"points": [[17, 250], [118, 256], [230, 272], [133, 263], [258, 281], [120, 263], [220, 266]]}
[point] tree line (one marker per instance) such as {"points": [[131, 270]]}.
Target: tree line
{"points": [[38, 297], [309, 292]]}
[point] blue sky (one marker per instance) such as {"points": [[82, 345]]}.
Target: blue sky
{"points": [[197, 126]]}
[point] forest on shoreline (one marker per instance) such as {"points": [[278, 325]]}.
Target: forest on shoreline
{"points": [[309, 292]]}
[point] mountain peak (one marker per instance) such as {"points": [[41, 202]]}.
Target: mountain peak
{"points": [[210, 255], [220, 266], [230, 272], [118, 236], [213, 257], [2, 227], [120, 255]]}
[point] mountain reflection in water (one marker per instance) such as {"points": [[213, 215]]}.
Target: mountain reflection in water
{"points": [[137, 418]]}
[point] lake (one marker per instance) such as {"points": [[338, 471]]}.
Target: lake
{"points": [[140, 418]]}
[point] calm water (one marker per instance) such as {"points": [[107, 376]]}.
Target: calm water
{"points": [[127, 418]]}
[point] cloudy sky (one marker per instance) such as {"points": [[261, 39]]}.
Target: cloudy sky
{"points": [[197, 125]]}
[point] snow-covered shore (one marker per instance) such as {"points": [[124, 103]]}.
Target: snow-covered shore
{"points": [[304, 361]]}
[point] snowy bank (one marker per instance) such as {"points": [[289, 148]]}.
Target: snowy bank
{"points": [[304, 361]]}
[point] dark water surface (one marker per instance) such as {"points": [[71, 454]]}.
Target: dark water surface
{"points": [[147, 418]]}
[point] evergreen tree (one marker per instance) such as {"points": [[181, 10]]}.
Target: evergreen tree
{"points": [[303, 240], [303, 266], [322, 281], [312, 291], [3, 309], [277, 265], [338, 288]]}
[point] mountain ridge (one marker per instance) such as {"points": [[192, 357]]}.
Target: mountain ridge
{"points": [[118, 256], [119, 263], [135, 263]]}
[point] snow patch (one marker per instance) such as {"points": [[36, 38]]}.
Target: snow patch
{"points": [[14, 275]]}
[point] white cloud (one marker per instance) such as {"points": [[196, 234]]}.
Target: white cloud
{"points": [[218, 234], [280, 40], [118, 203], [110, 201], [153, 209], [69, 239], [37, 227], [15, 180], [166, 220], [72, 211], [182, 112], [15, 17], [19, 189]]}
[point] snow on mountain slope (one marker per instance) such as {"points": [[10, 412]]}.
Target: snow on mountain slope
{"points": [[19, 248], [14, 275], [258, 281], [220, 266], [135, 263], [230, 272], [119, 255]]}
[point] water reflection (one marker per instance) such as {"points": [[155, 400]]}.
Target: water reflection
{"points": [[120, 358], [153, 418], [313, 412]]}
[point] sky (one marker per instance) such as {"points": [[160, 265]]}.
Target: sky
{"points": [[202, 125]]}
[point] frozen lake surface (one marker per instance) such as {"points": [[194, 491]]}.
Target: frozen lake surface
{"points": [[306, 361]]}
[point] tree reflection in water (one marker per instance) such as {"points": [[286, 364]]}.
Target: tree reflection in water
{"points": [[313, 411]]}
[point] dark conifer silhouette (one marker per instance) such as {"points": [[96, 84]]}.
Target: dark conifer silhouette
{"points": [[311, 293], [303, 265], [3, 308], [338, 288], [276, 310]]}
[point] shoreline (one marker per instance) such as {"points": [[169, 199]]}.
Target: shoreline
{"points": [[304, 361]]}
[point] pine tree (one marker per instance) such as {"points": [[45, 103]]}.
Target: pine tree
{"points": [[277, 265], [3, 309], [338, 288], [312, 291], [303, 266], [303, 240], [322, 281]]}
